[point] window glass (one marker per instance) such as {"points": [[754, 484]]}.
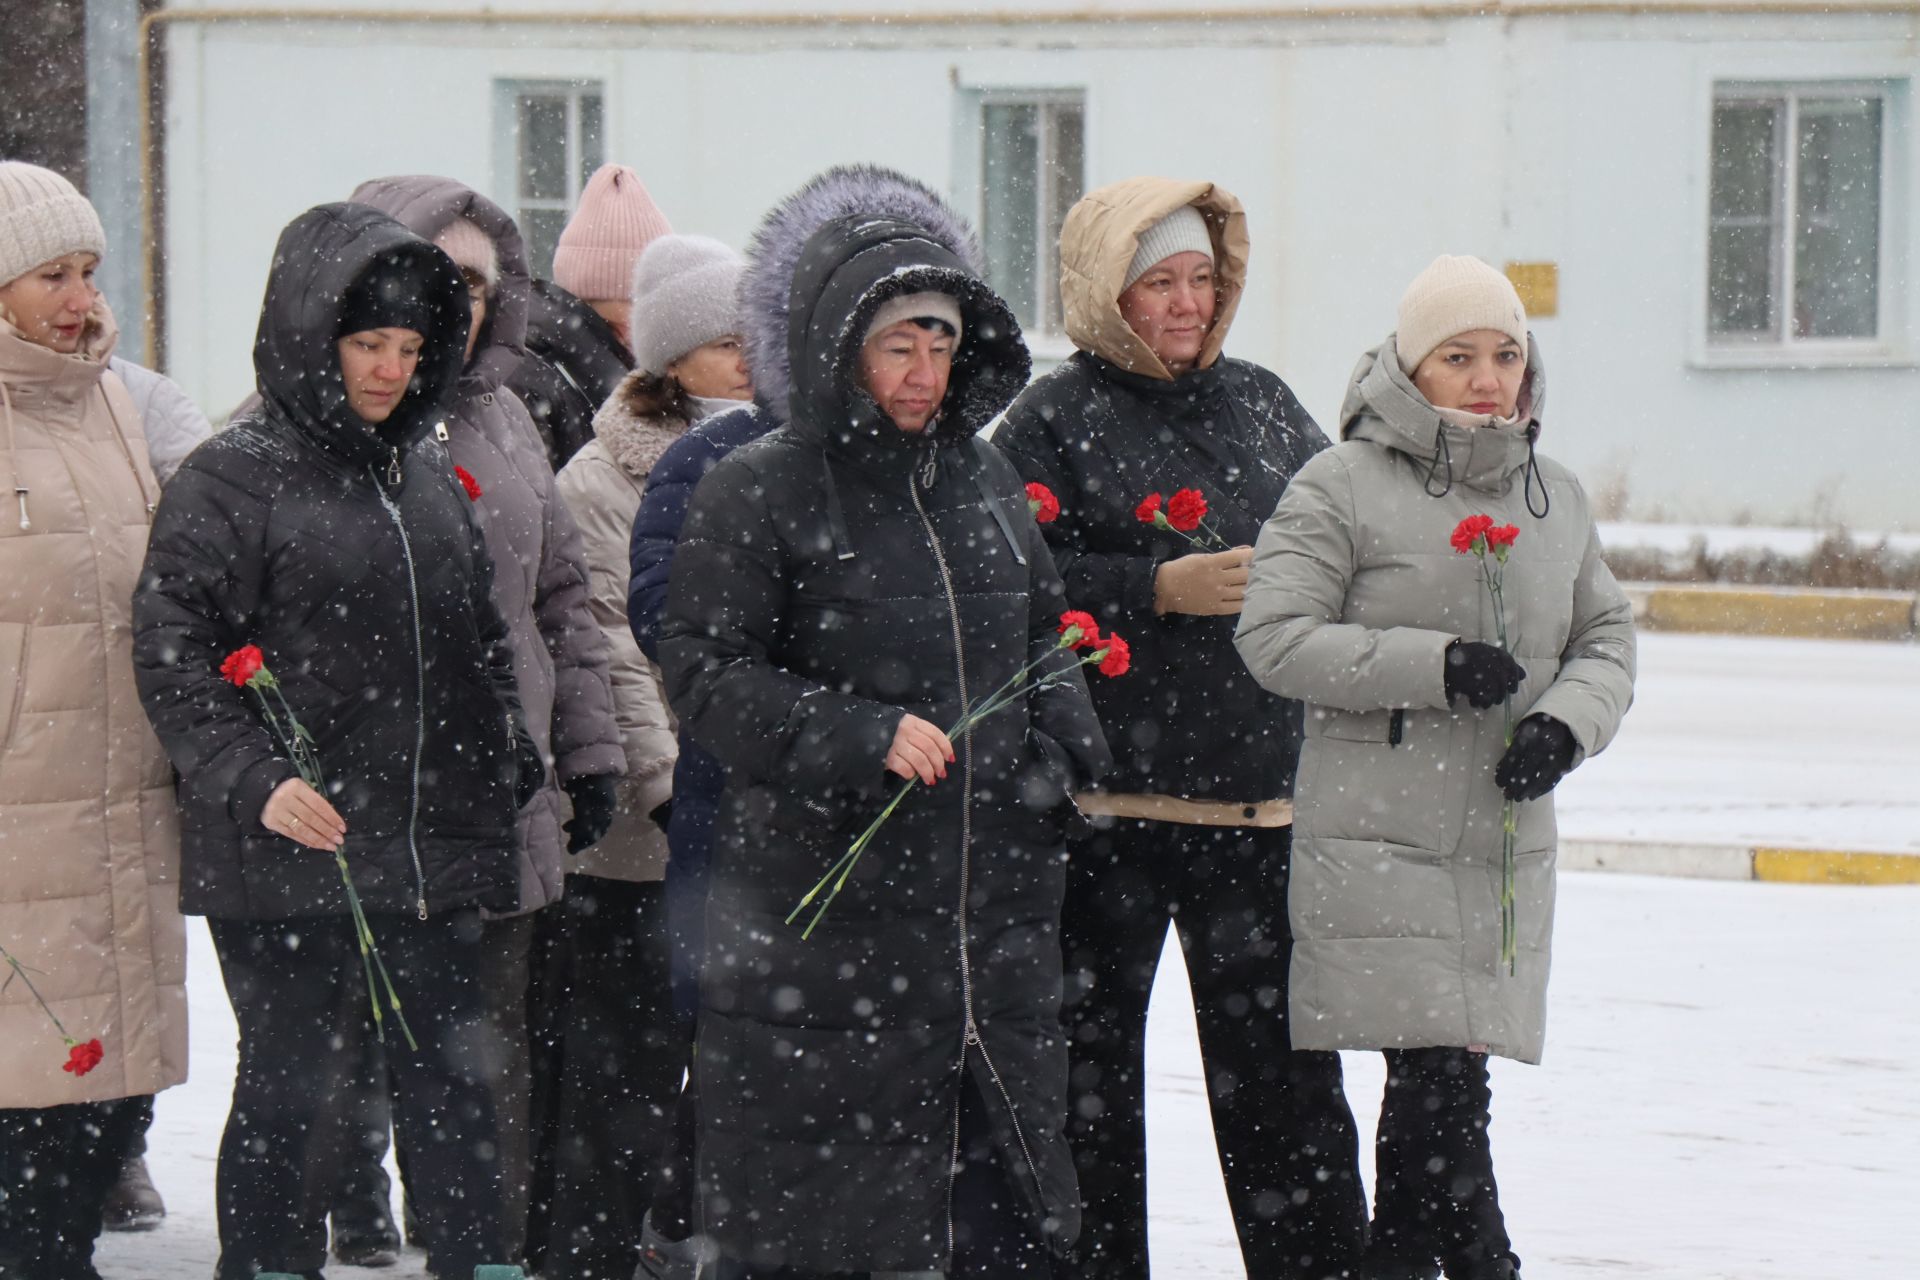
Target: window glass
{"points": [[1836, 250], [1010, 215], [1742, 250]]}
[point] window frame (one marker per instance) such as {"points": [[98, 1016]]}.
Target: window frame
{"points": [[1782, 349], [1047, 345], [508, 92]]}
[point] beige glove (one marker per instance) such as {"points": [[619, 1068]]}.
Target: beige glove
{"points": [[1210, 585]]}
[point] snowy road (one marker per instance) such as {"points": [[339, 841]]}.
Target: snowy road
{"points": [[1732, 1082]]}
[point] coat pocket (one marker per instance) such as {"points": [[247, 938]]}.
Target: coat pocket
{"points": [[1382, 725], [13, 670]]}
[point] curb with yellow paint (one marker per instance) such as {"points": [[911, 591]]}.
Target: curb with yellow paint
{"points": [[1741, 862], [1776, 611]]}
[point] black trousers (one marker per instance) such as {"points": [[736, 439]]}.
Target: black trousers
{"points": [[300, 999], [1434, 1194], [56, 1166], [1286, 1136], [625, 1055]]}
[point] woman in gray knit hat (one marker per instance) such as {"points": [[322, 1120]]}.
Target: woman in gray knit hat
{"points": [[626, 1047]]}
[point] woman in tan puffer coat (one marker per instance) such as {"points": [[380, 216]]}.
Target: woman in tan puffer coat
{"points": [[89, 847], [626, 1046], [1360, 606]]}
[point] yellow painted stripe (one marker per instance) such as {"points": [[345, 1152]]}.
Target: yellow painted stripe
{"points": [[1822, 866], [1836, 614]]}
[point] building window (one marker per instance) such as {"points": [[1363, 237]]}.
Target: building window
{"points": [[1032, 170], [1795, 232], [555, 134]]}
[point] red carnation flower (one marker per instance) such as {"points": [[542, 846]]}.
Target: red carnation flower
{"points": [[1089, 629], [1148, 511], [83, 1058], [243, 664], [1470, 531], [1119, 657], [1186, 509], [1040, 501], [1501, 536], [468, 483]]}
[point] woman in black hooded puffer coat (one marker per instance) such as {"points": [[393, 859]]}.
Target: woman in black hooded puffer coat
{"points": [[839, 577]]}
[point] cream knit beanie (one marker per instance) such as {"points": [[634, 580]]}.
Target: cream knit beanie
{"points": [[928, 305], [1456, 295], [615, 222], [684, 291], [1182, 231], [471, 249], [42, 217]]}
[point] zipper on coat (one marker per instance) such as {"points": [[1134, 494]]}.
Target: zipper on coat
{"points": [[1396, 726], [419, 687], [972, 1039]]}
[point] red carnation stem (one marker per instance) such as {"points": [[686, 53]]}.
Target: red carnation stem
{"points": [[20, 972]]}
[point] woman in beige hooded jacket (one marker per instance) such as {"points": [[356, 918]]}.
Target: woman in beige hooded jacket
{"points": [[89, 848], [1361, 606]]}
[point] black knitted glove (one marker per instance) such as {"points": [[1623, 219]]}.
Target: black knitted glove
{"points": [[530, 770], [594, 800], [1481, 673], [1541, 754]]}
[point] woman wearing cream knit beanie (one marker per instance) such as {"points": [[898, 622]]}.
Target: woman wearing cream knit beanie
{"points": [[1420, 930], [91, 846]]}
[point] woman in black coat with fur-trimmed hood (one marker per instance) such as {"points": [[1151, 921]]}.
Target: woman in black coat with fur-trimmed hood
{"points": [[842, 588]]}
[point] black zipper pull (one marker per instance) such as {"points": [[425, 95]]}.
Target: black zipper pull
{"points": [[393, 481], [1396, 726]]}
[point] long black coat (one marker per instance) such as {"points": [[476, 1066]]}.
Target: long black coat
{"points": [[574, 362], [369, 596], [830, 577], [1190, 721]]}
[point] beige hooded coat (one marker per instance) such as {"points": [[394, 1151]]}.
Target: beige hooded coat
{"points": [[89, 846], [1356, 593]]}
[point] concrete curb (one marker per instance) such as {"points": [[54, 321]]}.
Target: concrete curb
{"points": [[1740, 862], [1775, 611]]}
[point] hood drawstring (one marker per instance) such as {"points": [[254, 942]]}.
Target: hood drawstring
{"points": [[13, 460], [994, 506], [836, 514], [1442, 453], [120, 434], [1531, 475]]}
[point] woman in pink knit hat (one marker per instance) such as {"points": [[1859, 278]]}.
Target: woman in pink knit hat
{"points": [[577, 344]]}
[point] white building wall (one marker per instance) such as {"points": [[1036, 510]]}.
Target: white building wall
{"points": [[1361, 148]]}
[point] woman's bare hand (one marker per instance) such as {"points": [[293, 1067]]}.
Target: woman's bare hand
{"points": [[919, 750], [301, 814], [1209, 584]]}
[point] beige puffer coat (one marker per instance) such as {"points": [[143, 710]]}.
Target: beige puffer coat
{"points": [[601, 486], [1356, 593], [89, 846]]}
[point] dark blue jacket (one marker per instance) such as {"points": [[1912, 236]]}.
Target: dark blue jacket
{"points": [[698, 778]]}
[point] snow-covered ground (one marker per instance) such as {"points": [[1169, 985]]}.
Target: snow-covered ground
{"points": [[1741, 740], [1725, 539], [1732, 1082]]}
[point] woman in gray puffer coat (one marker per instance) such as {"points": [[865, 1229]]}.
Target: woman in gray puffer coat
{"points": [[541, 587], [1360, 606]]}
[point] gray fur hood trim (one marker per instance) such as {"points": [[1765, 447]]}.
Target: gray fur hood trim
{"points": [[766, 285], [634, 442]]}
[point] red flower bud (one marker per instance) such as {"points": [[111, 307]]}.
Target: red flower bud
{"points": [[468, 483], [1118, 658], [83, 1058], [243, 664], [1089, 629], [1186, 509], [1469, 531], [1040, 501], [1149, 510]]}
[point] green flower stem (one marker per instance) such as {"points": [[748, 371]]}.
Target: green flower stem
{"points": [[1509, 909], [20, 972]]}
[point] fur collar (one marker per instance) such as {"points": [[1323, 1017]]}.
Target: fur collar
{"points": [[634, 442]]}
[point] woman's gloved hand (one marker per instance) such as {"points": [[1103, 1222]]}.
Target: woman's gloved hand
{"points": [[594, 800], [1481, 673], [1542, 753]]}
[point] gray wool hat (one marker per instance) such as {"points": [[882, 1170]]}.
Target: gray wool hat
{"points": [[684, 296], [42, 217]]}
